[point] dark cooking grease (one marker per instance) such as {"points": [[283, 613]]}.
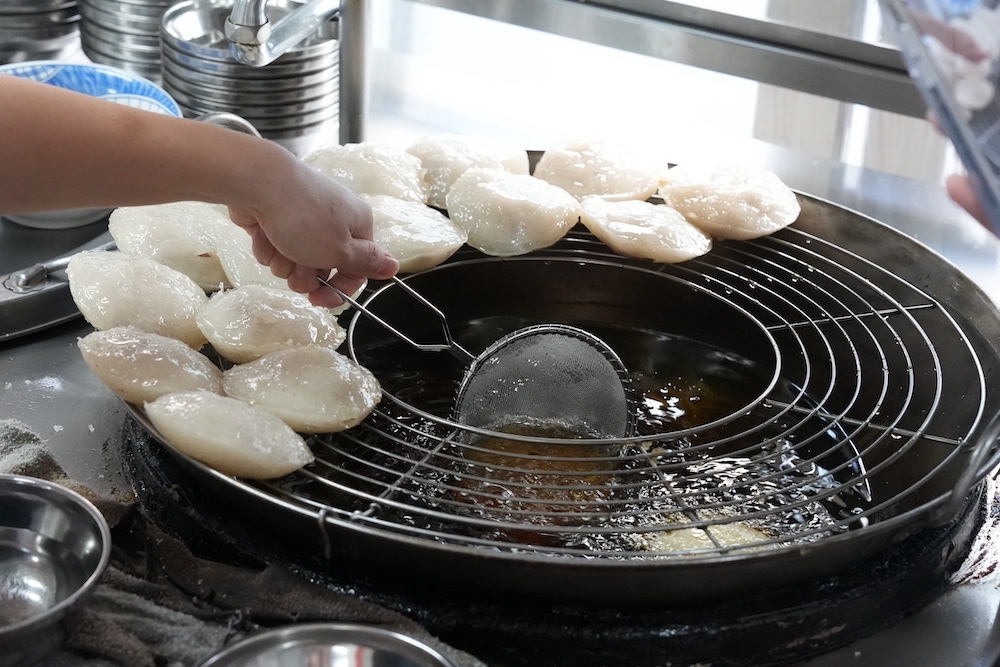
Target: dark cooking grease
{"points": [[703, 480]]}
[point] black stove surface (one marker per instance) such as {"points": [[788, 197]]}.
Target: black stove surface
{"points": [[783, 627]]}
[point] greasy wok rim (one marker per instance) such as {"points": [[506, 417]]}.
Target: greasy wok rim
{"points": [[930, 509]]}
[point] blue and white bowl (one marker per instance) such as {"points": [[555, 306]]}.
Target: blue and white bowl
{"points": [[100, 81]]}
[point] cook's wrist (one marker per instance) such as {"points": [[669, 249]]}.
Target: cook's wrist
{"points": [[254, 171]]}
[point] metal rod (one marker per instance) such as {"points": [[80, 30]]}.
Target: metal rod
{"points": [[450, 345], [354, 28]]}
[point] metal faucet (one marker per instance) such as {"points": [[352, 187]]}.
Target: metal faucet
{"points": [[255, 42]]}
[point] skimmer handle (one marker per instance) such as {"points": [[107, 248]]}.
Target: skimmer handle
{"points": [[450, 345]]}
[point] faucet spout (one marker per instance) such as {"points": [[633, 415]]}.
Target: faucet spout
{"points": [[256, 42]]}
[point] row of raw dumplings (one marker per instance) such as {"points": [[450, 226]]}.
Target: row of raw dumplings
{"points": [[287, 378], [154, 290], [495, 205], [492, 203]]}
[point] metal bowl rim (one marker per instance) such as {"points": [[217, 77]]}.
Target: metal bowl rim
{"points": [[34, 7], [223, 82], [50, 615], [123, 58], [278, 69], [328, 634], [259, 101], [138, 41], [114, 20]]}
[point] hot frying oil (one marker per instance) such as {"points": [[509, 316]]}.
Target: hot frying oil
{"points": [[633, 495]]}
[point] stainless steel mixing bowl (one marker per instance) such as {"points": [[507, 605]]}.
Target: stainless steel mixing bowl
{"points": [[56, 19], [321, 81], [143, 8], [293, 100], [279, 69], [106, 53], [142, 44], [33, 6], [122, 55], [54, 547], [123, 34], [36, 30], [268, 105], [128, 23], [329, 645]]}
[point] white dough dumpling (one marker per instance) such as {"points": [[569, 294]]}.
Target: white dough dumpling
{"points": [[228, 435], [114, 289], [508, 214], [445, 157], [248, 322], [731, 201], [418, 236], [369, 168], [182, 235], [140, 366], [601, 168], [313, 389], [646, 230], [235, 248]]}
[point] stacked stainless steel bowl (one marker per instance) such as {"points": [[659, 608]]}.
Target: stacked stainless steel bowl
{"points": [[123, 34], [293, 101], [38, 29]]}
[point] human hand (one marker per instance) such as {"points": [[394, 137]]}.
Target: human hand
{"points": [[304, 225], [66, 151]]}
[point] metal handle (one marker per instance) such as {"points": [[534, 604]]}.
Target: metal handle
{"points": [[450, 345]]}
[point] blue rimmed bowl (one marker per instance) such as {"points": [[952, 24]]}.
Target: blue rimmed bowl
{"points": [[107, 83]]}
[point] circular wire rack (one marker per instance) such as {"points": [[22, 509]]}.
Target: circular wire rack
{"points": [[862, 400], [869, 408]]}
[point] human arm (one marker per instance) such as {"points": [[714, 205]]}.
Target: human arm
{"points": [[60, 149]]}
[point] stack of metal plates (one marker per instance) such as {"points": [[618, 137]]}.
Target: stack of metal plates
{"points": [[38, 30], [123, 34], [294, 100]]}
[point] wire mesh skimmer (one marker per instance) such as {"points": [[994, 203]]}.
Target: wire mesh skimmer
{"points": [[543, 378]]}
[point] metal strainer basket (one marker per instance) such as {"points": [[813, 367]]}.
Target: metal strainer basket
{"points": [[556, 377]]}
